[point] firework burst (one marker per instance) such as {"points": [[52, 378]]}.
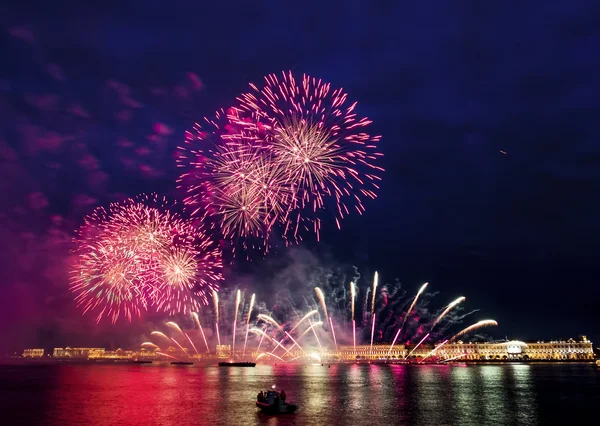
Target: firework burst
{"points": [[291, 154], [139, 255], [228, 174], [319, 140]]}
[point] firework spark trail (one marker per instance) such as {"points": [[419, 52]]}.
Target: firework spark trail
{"points": [[333, 333], [454, 357], [218, 334], [321, 298], [149, 344], [414, 302], [237, 304], [170, 356], [415, 348], [354, 334], [483, 323], [352, 299], [277, 344], [315, 333], [295, 343], [434, 350], [313, 325], [180, 347], [174, 326], [412, 305], [158, 333], [393, 343], [191, 343], [273, 355], [248, 322], [304, 318], [372, 334], [375, 282], [260, 342], [195, 315], [448, 308], [270, 320], [216, 303]]}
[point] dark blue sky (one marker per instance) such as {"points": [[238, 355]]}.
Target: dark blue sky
{"points": [[489, 113]]}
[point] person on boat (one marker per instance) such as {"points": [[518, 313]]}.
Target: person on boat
{"points": [[283, 396], [260, 397]]}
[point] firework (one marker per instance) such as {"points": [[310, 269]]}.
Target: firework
{"points": [[138, 255], [174, 326], [434, 350], [375, 279], [448, 309], [287, 153], [197, 320], [410, 308], [304, 318], [416, 346], [321, 297], [237, 305], [321, 142], [248, 321], [286, 326], [229, 175], [216, 301], [270, 320], [483, 323]]}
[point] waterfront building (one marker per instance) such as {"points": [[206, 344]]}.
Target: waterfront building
{"points": [[555, 350], [78, 353], [513, 350], [33, 353], [223, 351]]}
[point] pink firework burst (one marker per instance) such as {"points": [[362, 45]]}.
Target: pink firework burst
{"points": [[139, 255], [229, 174], [315, 135]]}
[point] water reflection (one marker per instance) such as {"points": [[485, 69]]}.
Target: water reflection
{"points": [[340, 394]]}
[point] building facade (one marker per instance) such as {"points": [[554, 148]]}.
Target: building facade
{"points": [[33, 353], [568, 350]]}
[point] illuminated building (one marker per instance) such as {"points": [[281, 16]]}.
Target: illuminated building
{"points": [[33, 353], [568, 350], [223, 351], [514, 350], [78, 353]]}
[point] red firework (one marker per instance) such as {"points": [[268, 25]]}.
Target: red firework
{"points": [[315, 135], [279, 161], [139, 255], [229, 174]]}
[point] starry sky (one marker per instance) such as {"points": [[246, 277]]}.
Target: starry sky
{"points": [[488, 112]]}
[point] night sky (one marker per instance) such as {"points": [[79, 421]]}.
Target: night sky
{"points": [[489, 113]]}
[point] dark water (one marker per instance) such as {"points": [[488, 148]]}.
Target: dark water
{"points": [[341, 395]]}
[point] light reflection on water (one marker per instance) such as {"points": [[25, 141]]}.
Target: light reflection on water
{"points": [[341, 394]]}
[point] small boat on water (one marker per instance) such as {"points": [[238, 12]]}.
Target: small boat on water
{"points": [[271, 403], [237, 364], [182, 363]]}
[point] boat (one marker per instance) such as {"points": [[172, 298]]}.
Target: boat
{"points": [[237, 364], [271, 404], [182, 363]]}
